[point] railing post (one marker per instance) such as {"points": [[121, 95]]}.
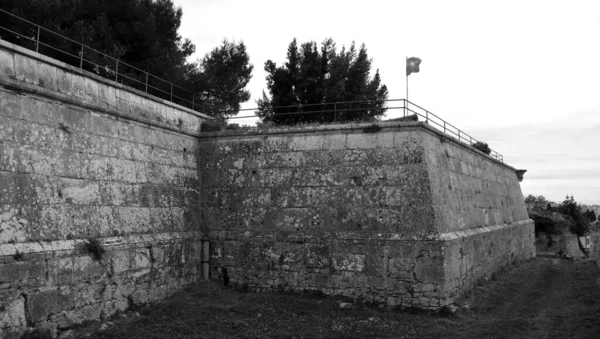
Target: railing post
{"points": [[117, 70], [427, 117], [146, 82], [193, 100], [458, 135], [334, 112], [171, 92], [37, 42], [81, 58]]}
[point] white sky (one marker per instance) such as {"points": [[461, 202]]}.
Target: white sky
{"points": [[523, 76]]}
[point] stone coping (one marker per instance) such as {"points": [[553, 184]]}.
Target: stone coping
{"points": [[87, 74], [485, 229], [347, 128], [358, 236], [68, 245]]}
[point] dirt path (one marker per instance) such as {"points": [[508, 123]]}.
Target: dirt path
{"points": [[542, 298]]}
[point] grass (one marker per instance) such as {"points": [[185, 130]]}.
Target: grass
{"points": [[542, 298]]}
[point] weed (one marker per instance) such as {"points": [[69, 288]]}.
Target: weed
{"points": [[19, 256], [64, 128], [265, 125], [374, 128], [179, 122], [413, 117], [95, 248], [213, 125]]}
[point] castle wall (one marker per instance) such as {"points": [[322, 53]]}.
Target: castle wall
{"points": [[397, 214], [88, 165]]}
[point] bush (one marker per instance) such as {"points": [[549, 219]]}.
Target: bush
{"points": [[374, 128], [413, 117], [213, 125], [482, 146], [579, 222]]}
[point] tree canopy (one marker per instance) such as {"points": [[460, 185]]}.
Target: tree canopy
{"points": [[222, 78], [579, 221], [141, 33], [591, 215], [313, 78], [535, 203]]}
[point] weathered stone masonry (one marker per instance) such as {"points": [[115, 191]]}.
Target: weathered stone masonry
{"points": [[399, 214], [405, 216], [83, 157]]}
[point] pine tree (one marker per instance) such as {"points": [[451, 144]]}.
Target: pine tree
{"points": [[222, 78], [312, 79]]}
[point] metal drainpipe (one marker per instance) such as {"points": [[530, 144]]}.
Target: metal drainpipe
{"points": [[205, 252]]}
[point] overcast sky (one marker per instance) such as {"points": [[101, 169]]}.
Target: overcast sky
{"points": [[523, 76]]}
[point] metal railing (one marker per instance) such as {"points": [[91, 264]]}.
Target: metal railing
{"points": [[44, 41], [337, 112], [40, 39]]}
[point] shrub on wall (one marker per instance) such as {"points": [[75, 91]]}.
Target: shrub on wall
{"points": [[213, 125], [482, 146]]}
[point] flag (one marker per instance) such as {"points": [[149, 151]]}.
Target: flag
{"points": [[412, 65]]}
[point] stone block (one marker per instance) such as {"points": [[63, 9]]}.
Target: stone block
{"points": [[48, 113], [123, 105], [11, 104], [77, 86], [47, 76], [368, 141], [64, 81], [120, 261], [7, 63], [40, 305], [79, 192], [91, 90], [141, 259], [134, 219], [115, 193], [122, 170], [161, 218], [26, 69], [14, 226], [306, 142], [13, 314], [94, 167]]}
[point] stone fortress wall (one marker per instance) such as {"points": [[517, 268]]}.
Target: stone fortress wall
{"points": [[82, 157], [398, 214], [108, 195]]}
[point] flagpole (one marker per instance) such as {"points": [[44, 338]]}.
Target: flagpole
{"points": [[406, 72]]}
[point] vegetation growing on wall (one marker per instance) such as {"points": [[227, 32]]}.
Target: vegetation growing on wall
{"points": [[95, 248], [482, 146]]}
